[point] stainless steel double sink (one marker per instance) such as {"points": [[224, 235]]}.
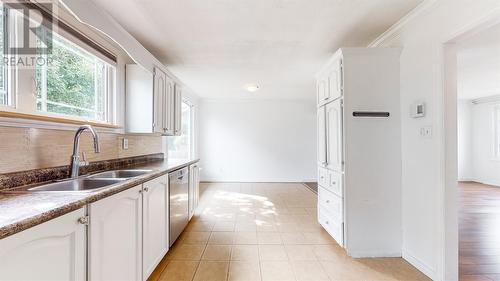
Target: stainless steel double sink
{"points": [[86, 184]]}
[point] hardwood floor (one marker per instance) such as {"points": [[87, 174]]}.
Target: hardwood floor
{"points": [[479, 232]]}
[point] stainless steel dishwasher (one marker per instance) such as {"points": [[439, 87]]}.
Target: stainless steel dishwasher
{"points": [[179, 202]]}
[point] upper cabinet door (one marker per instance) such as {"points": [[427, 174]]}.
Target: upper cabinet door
{"points": [[321, 130], [335, 80], [54, 250], [160, 99], [115, 237], [178, 110], [141, 111], [169, 105], [334, 135], [155, 223], [322, 90]]}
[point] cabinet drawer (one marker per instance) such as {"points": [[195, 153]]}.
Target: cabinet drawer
{"points": [[335, 183], [323, 177], [332, 203], [330, 180], [332, 226]]}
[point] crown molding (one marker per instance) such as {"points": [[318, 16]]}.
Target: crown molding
{"points": [[396, 29]]}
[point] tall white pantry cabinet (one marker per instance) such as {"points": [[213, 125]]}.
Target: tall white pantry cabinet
{"points": [[359, 151]]}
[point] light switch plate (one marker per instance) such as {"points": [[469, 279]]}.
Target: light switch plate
{"points": [[125, 144]]}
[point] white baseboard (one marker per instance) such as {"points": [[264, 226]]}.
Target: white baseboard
{"points": [[255, 181], [493, 183], [373, 254], [420, 265]]}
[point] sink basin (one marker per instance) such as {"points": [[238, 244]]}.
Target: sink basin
{"points": [[84, 184], [80, 185], [119, 174]]}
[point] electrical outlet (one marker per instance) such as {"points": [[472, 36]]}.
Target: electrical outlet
{"points": [[426, 132], [125, 144]]}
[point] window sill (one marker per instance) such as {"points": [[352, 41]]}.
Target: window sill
{"points": [[55, 119]]}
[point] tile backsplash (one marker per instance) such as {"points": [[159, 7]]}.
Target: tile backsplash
{"points": [[29, 148]]}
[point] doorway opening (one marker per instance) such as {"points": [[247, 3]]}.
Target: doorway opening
{"points": [[478, 153]]}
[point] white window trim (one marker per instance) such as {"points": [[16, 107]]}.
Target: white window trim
{"points": [[22, 89], [192, 138]]}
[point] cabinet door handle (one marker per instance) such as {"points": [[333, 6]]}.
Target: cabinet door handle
{"points": [[146, 189], [334, 182], [327, 201], [84, 220], [326, 222]]}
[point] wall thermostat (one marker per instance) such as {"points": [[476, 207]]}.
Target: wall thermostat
{"points": [[418, 110]]}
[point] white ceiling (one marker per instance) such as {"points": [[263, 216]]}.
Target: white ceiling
{"points": [[218, 46], [479, 65]]}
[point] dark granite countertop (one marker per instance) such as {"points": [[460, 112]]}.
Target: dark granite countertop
{"points": [[22, 210]]}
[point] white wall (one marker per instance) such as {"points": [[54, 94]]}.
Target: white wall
{"points": [[257, 140], [464, 116], [422, 36], [476, 161], [486, 169]]}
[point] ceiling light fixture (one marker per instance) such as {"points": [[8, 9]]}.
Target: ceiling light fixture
{"points": [[252, 88]]}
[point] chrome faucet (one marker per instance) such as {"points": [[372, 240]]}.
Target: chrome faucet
{"points": [[75, 158]]}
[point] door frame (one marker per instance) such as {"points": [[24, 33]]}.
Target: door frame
{"points": [[449, 261]]}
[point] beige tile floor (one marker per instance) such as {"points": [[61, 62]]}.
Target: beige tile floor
{"points": [[266, 232]]}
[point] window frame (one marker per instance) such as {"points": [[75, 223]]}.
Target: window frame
{"points": [[191, 139], [22, 91], [108, 76]]}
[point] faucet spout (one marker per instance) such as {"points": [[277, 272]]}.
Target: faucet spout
{"points": [[75, 158]]}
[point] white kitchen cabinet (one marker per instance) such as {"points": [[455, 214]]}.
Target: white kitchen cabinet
{"points": [[115, 237], [329, 85], [321, 131], [334, 135], [194, 188], [322, 90], [141, 105], [360, 183], [151, 104], [178, 110], [168, 102], [54, 250], [335, 87], [155, 223]]}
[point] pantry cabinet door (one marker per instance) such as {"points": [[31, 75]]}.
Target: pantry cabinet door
{"points": [[155, 223], [115, 237], [54, 250], [334, 135], [322, 90], [335, 80], [321, 132]]}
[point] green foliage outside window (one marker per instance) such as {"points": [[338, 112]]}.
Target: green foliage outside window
{"points": [[73, 82]]}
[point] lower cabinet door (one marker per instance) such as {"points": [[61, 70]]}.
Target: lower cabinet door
{"points": [[334, 227], [115, 237], [54, 250], [155, 223], [194, 188]]}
